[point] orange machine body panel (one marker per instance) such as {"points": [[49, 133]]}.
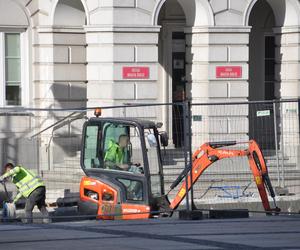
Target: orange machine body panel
{"points": [[134, 212], [110, 209]]}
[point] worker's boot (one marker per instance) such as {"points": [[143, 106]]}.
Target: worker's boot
{"points": [[47, 220], [28, 217], [45, 214]]}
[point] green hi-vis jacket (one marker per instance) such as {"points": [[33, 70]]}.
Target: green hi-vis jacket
{"points": [[114, 153], [25, 180]]}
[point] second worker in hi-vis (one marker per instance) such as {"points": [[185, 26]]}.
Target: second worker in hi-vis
{"points": [[31, 187]]}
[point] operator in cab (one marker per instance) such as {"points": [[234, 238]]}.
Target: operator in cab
{"points": [[118, 156], [115, 156]]}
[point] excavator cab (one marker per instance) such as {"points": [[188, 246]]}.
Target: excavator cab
{"points": [[122, 162]]}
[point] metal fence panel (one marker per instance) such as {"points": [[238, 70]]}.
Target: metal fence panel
{"points": [[274, 125], [49, 142]]}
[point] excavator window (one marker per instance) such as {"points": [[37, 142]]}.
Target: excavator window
{"points": [[134, 189], [91, 159], [152, 149], [113, 146]]}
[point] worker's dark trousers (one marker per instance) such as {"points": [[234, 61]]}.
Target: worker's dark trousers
{"points": [[37, 197]]}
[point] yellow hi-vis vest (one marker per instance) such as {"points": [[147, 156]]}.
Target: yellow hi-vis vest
{"points": [[114, 153], [25, 180]]}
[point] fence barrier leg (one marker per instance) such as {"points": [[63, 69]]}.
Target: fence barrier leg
{"points": [[189, 213], [276, 143], [282, 147], [185, 128]]}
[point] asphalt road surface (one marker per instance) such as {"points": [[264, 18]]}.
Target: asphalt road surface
{"points": [[274, 232]]}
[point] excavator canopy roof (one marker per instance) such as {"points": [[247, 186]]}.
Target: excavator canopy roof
{"points": [[133, 121]]}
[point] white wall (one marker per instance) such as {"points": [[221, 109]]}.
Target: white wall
{"points": [[11, 14], [69, 13]]}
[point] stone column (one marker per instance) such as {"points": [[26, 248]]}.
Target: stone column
{"points": [[288, 77], [109, 50], [60, 82], [209, 48], [287, 61]]}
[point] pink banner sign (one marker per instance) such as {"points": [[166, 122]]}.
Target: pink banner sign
{"points": [[228, 71], [136, 72]]}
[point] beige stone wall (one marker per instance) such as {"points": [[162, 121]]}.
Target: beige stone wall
{"points": [[68, 59]]}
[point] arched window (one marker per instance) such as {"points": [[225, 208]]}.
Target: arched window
{"points": [[13, 26], [69, 13]]}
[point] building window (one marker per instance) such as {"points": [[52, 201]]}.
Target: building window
{"points": [[11, 69], [270, 68]]}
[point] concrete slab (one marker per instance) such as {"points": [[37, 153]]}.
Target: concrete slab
{"points": [[276, 232]]}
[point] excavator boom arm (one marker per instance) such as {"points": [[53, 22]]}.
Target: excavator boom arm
{"points": [[209, 153]]}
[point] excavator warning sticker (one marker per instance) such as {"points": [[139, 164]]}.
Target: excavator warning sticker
{"points": [[258, 180], [181, 193], [89, 183]]}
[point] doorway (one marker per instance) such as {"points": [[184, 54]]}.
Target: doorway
{"points": [[178, 86], [262, 82], [172, 60]]}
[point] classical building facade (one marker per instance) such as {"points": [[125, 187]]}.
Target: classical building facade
{"points": [[70, 53]]}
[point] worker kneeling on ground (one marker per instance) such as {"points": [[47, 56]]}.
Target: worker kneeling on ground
{"points": [[31, 187]]}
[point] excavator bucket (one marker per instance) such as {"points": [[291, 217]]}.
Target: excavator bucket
{"points": [[261, 175]]}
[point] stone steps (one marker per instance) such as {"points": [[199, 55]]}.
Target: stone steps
{"points": [[59, 177], [63, 170], [201, 187], [213, 174], [269, 162], [73, 185]]}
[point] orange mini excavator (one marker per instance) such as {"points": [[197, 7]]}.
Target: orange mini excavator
{"points": [[122, 161]]}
